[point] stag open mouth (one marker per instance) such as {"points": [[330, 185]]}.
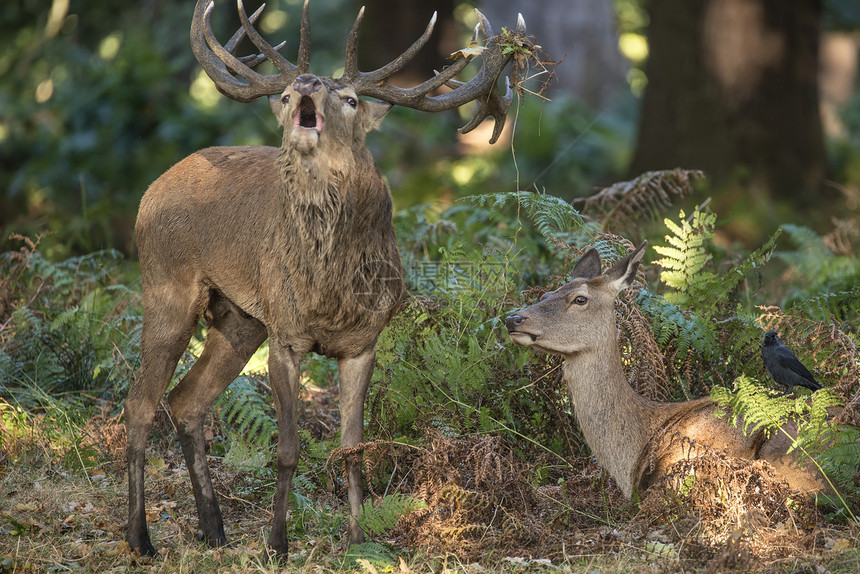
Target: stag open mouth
{"points": [[306, 115]]}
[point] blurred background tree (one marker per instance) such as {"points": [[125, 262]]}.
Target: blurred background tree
{"points": [[98, 100]]}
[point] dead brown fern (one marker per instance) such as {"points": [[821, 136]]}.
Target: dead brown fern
{"points": [[724, 494], [619, 205], [478, 496], [845, 236], [644, 363]]}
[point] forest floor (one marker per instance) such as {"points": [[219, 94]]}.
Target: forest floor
{"points": [[485, 512]]}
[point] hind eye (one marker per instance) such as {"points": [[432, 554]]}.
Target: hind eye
{"points": [[580, 300], [352, 102]]}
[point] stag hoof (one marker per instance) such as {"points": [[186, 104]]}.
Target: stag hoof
{"points": [[216, 540], [275, 555], [143, 546]]}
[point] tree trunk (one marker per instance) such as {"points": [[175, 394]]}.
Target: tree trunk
{"points": [[732, 89]]}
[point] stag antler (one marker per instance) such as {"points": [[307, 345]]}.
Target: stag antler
{"points": [[220, 63], [223, 67], [481, 87]]}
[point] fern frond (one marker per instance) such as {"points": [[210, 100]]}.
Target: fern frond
{"points": [[370, 556], [552, 216], [382, 517], [249, 410], [646, 196], [684, 262]]}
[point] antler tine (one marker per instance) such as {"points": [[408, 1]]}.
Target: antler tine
{"points": [[481, 87], [496, 106], [231, 44], [253, 60], [350, 67], [285, 67], [381, 75], [304, 60], [485, 24], [223, 67]]}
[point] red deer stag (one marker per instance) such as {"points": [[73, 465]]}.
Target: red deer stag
{"points": [[293, 244], [624, 430]]}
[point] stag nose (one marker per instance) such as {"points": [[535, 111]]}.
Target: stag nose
{"points": [[514, 321], [307, 84]]}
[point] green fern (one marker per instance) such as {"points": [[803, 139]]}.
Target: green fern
{"points": [[553, 217], [840, 306], [369, 555], [382, 517], [686, 256], [816, 268], [671, 324], [834, 448], [761, 408], [248, 409]]}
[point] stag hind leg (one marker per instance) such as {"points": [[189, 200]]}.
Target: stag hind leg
{"points": [[168, 323], [231, 339]]}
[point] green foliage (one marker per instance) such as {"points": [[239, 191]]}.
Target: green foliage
{"points": [[248, 409], [76, 331], [370, 556], [834, 448], [672, 325], [445, 360], [380, 518], [763, 409], [818, 270], [552, 216], [685, 258]]}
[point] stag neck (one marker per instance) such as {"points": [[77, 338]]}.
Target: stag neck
{"points": [[615, 420]]}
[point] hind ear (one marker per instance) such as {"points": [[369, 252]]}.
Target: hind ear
{"points": [[621, 275], [588, 266]]}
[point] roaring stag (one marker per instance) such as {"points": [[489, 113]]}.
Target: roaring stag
{"points": [[294, 244], [626, 432]]}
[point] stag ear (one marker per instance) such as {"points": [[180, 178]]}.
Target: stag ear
{"points": [[372, 113], [621, 275], [588, 266]]}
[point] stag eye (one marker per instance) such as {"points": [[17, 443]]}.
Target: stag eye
{"points": [[285, 98], [580, 300], [351, 101]]}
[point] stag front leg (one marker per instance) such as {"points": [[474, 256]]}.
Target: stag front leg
{"points": [[284, 378], [355, 374]]}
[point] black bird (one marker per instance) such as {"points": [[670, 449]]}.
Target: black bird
{"points": [[783, 366]]}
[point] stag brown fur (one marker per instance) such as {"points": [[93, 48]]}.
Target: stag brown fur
{"points": [[265, 242], [294, 244], [634, 438]]}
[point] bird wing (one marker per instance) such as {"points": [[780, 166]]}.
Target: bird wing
{"points": [[788, 361]]}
